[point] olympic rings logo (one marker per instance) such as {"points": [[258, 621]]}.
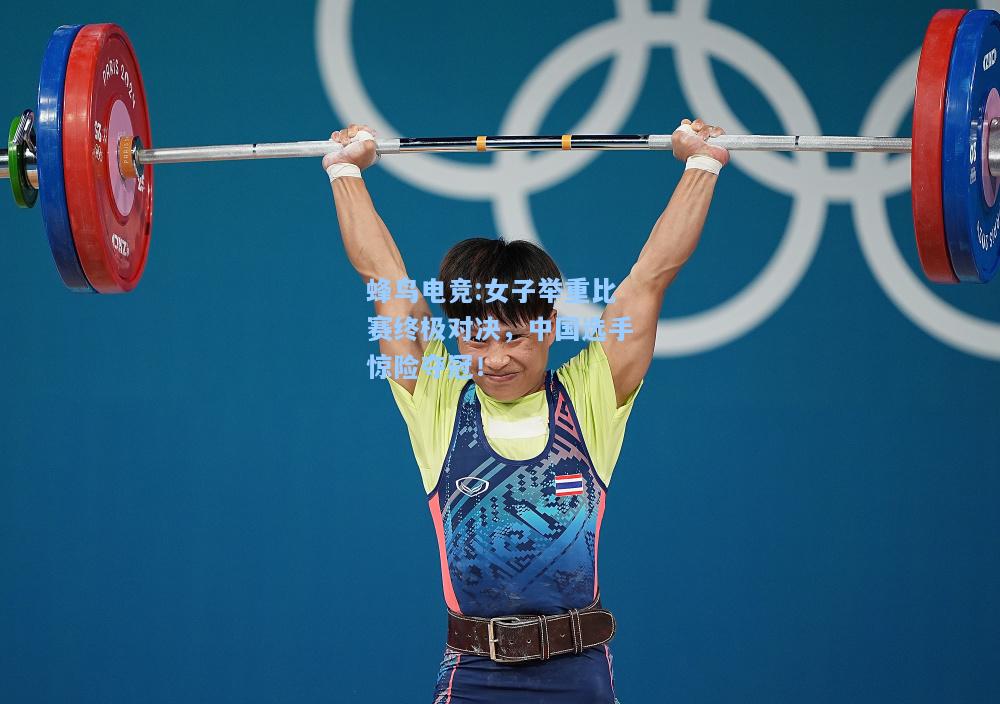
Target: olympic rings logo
{"points": [[626, 39]]}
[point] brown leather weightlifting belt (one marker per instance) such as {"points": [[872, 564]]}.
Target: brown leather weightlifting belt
{"points": [[520, 638]]}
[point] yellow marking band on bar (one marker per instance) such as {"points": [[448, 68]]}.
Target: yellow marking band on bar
{"points": [[567, 141], [481, 143]]}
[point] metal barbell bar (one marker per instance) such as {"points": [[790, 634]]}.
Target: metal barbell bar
{"points": [[622, 142]]}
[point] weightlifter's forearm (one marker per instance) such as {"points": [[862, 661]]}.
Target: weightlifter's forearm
{"points": [[367, 240], [678, 229]]}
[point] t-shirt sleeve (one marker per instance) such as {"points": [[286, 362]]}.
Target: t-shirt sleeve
{"points": [[430, 413], [587, 378]]}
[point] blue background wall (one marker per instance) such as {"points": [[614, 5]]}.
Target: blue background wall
{"points": [[204, 498]]}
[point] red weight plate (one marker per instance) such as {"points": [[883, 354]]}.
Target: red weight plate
{"points": [[926, 161], [104, 100]]}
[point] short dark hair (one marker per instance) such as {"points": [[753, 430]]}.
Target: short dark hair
{"points": [[481, 260]]}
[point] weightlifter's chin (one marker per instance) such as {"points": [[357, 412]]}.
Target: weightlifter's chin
{"points": [[502, 387]]}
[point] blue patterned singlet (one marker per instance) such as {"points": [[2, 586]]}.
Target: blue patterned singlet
{"points": [[520, 537]]}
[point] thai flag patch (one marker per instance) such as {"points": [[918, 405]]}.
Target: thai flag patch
{"points": [[569, 484]]}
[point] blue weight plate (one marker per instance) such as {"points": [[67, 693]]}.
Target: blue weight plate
{"points": [[971, 206], [48, 139]]}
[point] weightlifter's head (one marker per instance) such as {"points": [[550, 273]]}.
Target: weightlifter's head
{"points": [[514, 359]]}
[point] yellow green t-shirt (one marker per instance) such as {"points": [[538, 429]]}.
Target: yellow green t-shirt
{"points": [[516, 429]]}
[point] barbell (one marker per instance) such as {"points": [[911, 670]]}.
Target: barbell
{"points": [[86, 153]]}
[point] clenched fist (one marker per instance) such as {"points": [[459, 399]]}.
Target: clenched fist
{"points": [[691, 141], [360, 153]]}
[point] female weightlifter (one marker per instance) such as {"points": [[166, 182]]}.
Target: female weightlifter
{"points": [[516, 461]]}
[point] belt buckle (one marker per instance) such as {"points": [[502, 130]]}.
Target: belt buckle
{"points": [[491, 636]]}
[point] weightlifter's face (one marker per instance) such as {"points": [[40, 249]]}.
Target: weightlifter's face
{"points": [[512, 366]]}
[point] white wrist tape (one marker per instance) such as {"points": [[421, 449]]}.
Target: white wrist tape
{"points": [[705, 163], [336, 171]]}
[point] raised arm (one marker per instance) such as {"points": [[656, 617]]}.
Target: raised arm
{"points": [[367, 241], [672, 241]]}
